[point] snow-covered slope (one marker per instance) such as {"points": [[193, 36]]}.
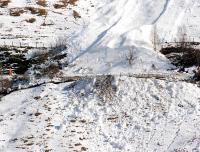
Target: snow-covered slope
{"points": [[48, 26], [119, 25], [101, 39], [144, 115]]}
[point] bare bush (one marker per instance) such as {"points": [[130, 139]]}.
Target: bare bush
{"points": [[40, 57], [16, 11], [42, 3], [51, 71], [4, 3], [59, 45], [32, 10], [5, 85], [42, 12], [196, 76], [105, 88], [76, 14], [130, 57], [31, 20]]}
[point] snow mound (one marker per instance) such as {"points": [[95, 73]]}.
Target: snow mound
{"points": [[119, 25], [144, 115]]}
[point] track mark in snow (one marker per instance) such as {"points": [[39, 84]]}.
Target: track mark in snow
{"points": [[163, 11]]}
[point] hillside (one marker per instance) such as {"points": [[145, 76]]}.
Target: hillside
{"points": [[99, 75]]}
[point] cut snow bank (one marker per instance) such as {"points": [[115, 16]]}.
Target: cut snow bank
{"points": [[145, 115]]}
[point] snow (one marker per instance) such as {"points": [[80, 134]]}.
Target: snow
{"points": [[144, 115]]}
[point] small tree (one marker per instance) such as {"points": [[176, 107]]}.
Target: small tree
{"points": [[130, 57]]}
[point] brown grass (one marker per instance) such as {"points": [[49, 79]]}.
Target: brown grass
{"points": [[4, 3], [65, 3], [32, 10], [42, 12], [72, 2], [31, 20], [16, 11], [42, 3], [51, 71], [76, 14], [58, 6]]}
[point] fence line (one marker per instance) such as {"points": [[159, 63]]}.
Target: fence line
{"points": [[25, 45]]}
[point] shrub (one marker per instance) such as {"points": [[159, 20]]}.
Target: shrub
{"points": [[50, 70], [184, 55], [105, 88], [31, 20], [196, 76], [64, 3], [4, 3], [42, 3], [58, 6], [16, 11], [71, 2], [42, 12], [130, 57], [32, 10], [5, 85], [76, 14], [40, 57], [59, 45]]}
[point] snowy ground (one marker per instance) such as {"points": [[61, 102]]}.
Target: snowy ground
{"points": [[99, 42], [145, 115]]}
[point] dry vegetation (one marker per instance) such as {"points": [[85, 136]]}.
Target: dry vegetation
{"points": [[5, 85], [42, 3], [31, 20], [32, 10], [130, 57], [64, 3], [4, 3], [16, 11], [105, 87], [51, 71], [76, 14], [42, 12], [184, 53]]}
